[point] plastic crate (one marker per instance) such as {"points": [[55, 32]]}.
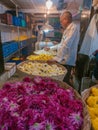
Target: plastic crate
{"points": [[15, 61], [21, 15], [9, 48], [23, 23], [15, 21]]}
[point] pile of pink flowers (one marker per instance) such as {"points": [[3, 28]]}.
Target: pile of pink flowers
{"points": [[39, 104]]}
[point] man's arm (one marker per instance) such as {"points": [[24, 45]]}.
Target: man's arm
{"points": [[55, 47]]}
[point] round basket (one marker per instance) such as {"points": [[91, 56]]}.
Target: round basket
{"points": [[40, 57], [86, 93], [50, 52], [57, 77], [86, 122]]}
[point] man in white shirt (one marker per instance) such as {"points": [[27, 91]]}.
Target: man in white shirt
{"points": [[67, 49]]}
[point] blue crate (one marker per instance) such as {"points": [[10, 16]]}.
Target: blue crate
{"points": [[9, 48], [15, 21], [5, 50], [19, 21], [15, 61], [25, 51], [21, 15], [23, 23], [24, 42]]}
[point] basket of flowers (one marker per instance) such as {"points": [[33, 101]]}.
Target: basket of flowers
{"points": [[90, 96], [45, 69], [41, 103], [41, 57], [49, 52]]}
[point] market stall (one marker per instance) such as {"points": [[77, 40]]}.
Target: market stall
{"points": [[33, 95]]}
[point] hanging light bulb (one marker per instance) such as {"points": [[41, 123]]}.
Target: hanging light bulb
{"points": [[49, 3]]}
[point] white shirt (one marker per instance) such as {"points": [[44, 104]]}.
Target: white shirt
{"points": [[40, 36], [67, 49]]}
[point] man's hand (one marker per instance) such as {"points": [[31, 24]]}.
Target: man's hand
{"points": [[52, 61], [54, 42], [46, 48]]}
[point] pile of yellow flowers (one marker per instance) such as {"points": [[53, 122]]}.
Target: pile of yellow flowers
{"points": [[21, 38], [42, 57], [92, 104]]}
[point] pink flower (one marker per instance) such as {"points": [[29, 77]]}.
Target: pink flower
{"points": [[39, 104], [37, 80], [37, 126], [27, 79], [76, 120], [50, 125]]}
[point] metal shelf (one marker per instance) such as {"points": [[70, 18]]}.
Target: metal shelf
{"points": [[19, 50], [11, 4], [6, 26]]}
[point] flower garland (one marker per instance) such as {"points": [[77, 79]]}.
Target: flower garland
{"points": [[39, 104]]}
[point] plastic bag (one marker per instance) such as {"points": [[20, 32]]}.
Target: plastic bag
{"points": [[90, 42]]}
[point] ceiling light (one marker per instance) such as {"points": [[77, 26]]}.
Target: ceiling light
{"points": [[49, 3]]}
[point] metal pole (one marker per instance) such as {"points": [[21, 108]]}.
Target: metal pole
{"points": [[14, 2]]}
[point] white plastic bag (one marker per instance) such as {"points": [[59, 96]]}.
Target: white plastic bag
{"points": [[90, 42]]}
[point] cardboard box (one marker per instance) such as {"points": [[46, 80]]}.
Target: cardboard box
{"points": [[6, 18], [10, 68]]}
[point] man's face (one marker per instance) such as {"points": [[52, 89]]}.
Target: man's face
{"points": [[64, 21]]}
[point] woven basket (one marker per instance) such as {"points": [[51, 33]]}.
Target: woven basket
{"points": [[58, 77], [38, 52], [86, 121], [86, 93]]}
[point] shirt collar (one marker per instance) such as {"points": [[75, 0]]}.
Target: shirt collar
{"points": [[69, 26]]}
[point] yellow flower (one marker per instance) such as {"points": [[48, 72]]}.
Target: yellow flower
{"points": [[44, 57], [94, 91], [92, 101], [93, 112], [95, 124]]}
